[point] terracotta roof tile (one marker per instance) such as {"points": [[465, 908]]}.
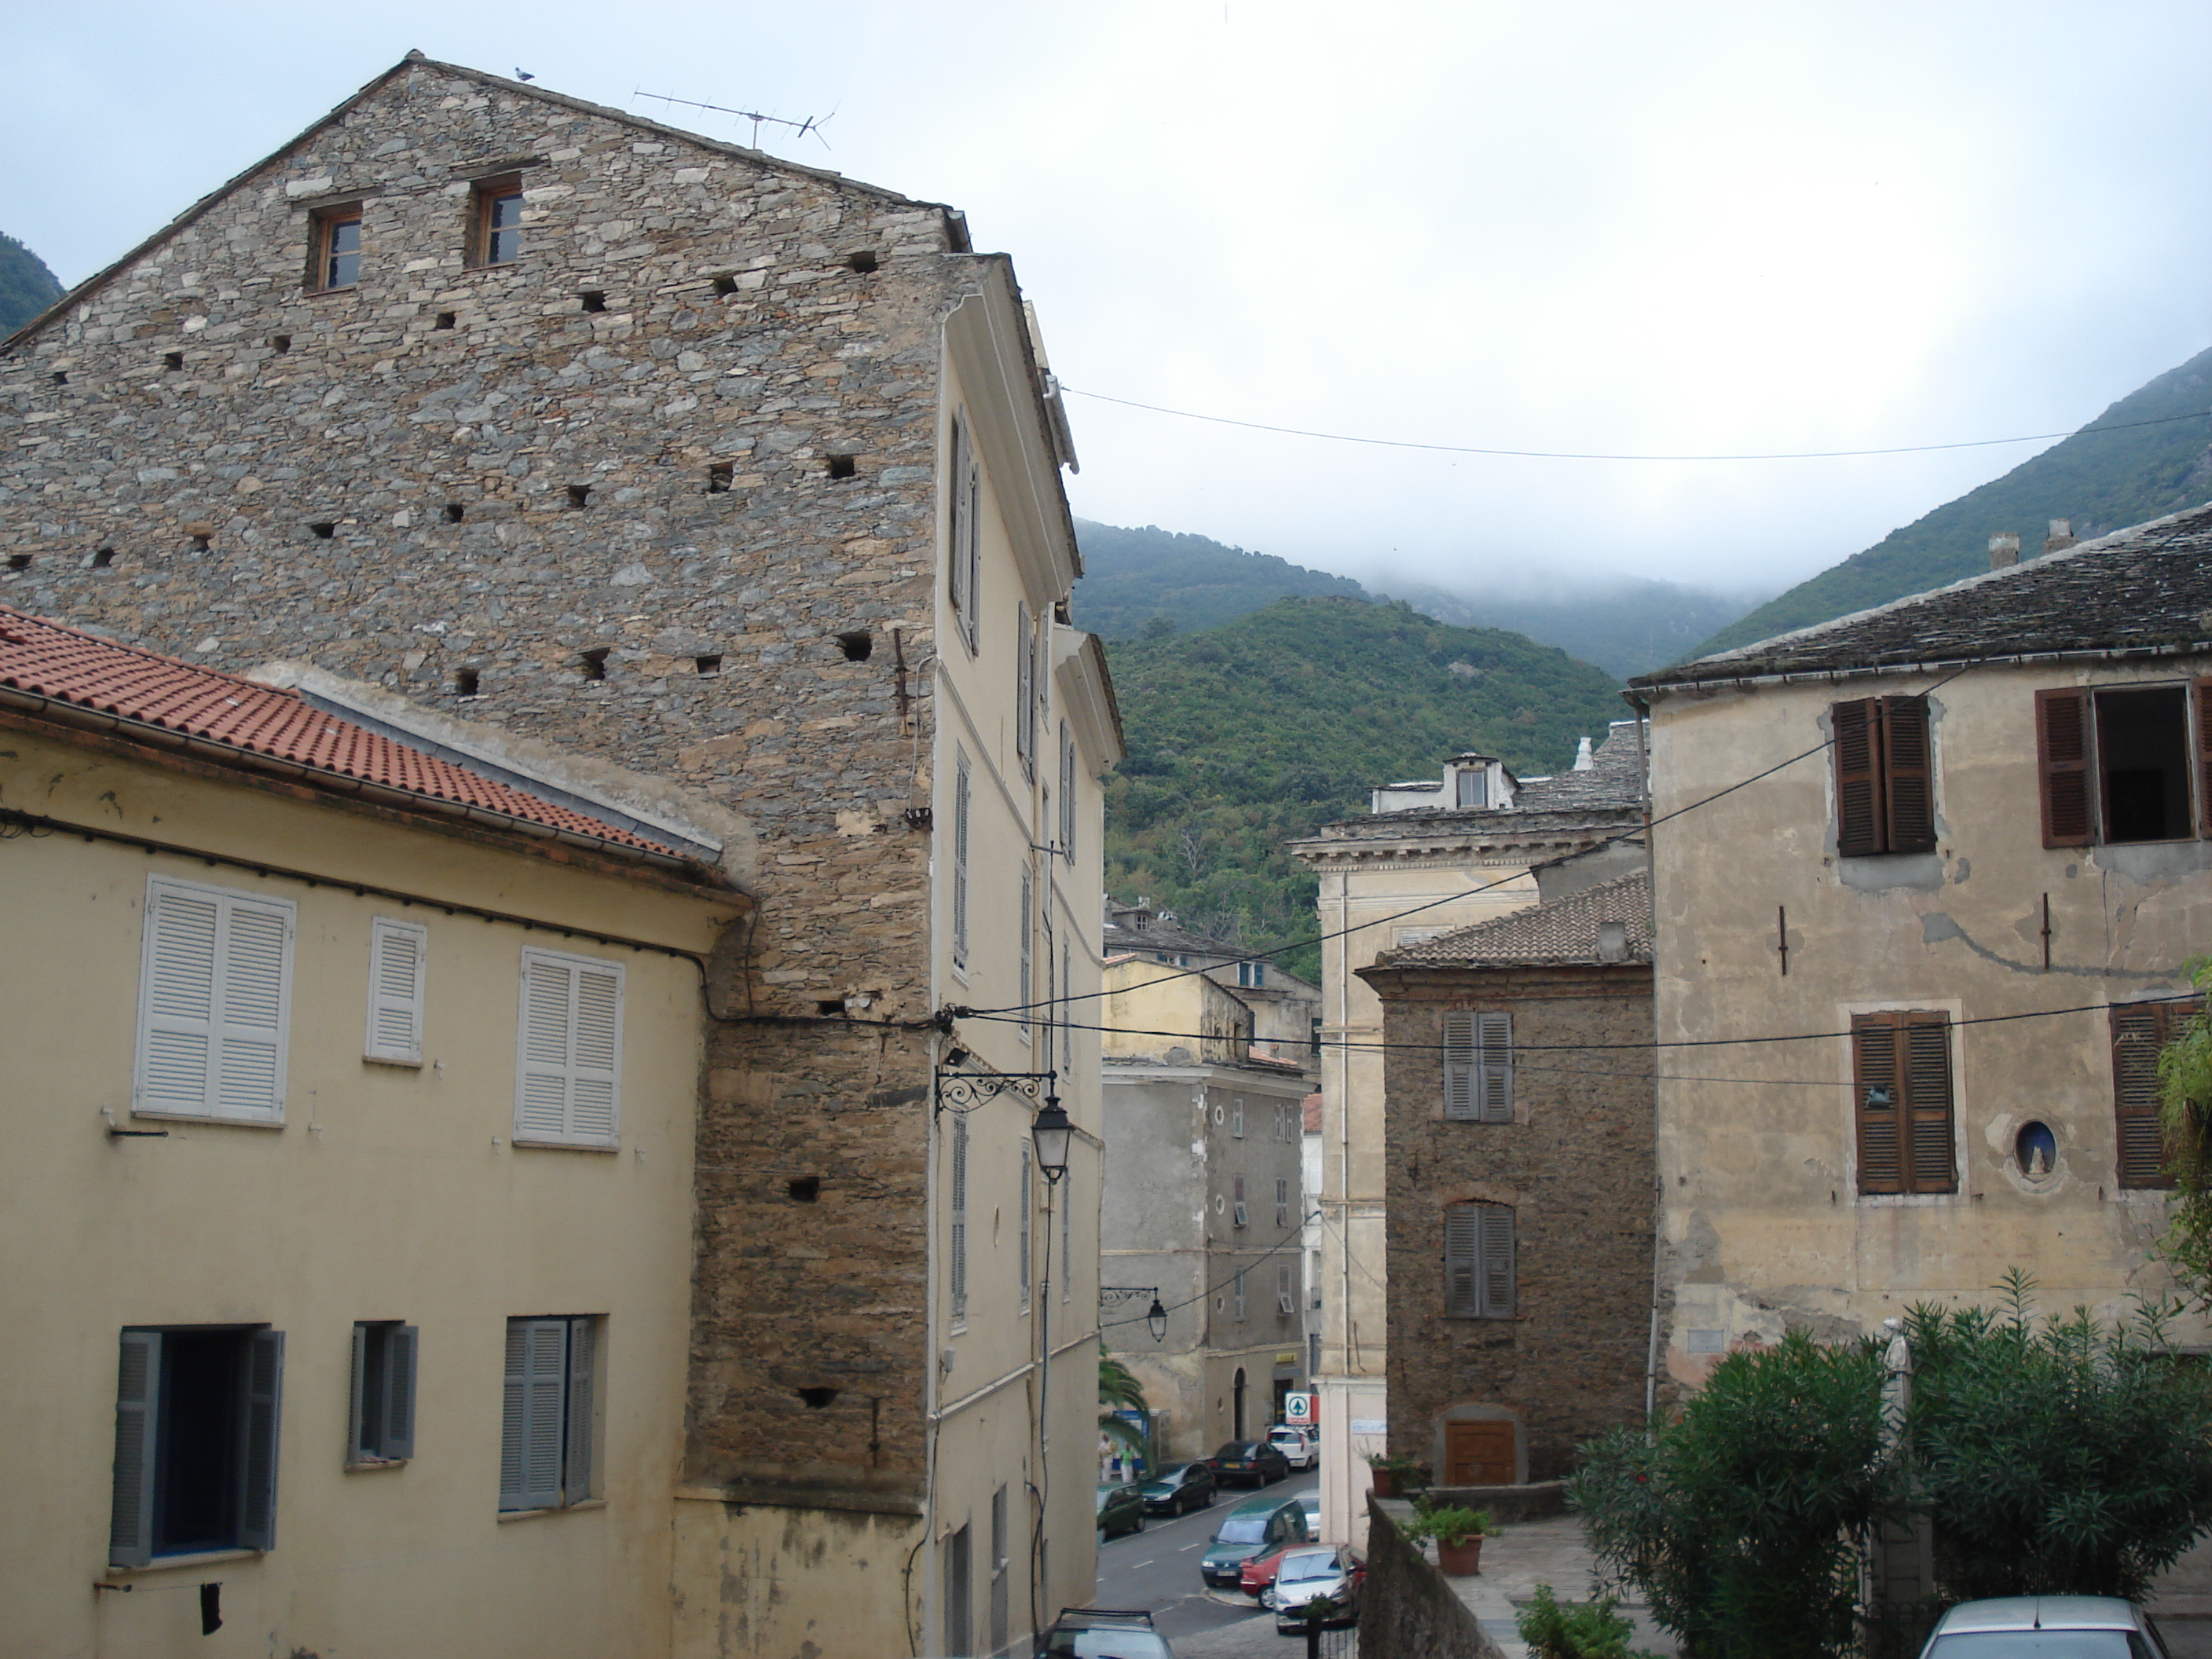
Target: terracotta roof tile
{"points": [[68, 665], [1564, 931]]}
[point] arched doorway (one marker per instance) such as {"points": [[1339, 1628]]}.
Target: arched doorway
{"points": [[1236, 1406]]}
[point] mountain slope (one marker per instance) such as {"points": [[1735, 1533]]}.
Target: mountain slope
{"points": [[1249, 735], [27, 287], [2102, 480], [1132, 577], [1624, 624]]}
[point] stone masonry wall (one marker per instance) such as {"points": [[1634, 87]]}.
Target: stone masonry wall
{"points": [[447, 472], [1577, 1164]]}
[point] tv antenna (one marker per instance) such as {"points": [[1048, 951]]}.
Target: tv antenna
{"points": [[812, 124]]}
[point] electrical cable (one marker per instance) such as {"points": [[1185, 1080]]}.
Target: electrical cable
{"points": [[1289, 1239], [1575, 455]]}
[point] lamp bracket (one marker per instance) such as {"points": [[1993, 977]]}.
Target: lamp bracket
{"points": [[964, 1092]]}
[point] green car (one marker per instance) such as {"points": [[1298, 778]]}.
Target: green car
{"points": [[1121, 1508], [1258, 1527]]}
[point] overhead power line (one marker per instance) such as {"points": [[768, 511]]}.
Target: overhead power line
{"points": [[1578, 455]]}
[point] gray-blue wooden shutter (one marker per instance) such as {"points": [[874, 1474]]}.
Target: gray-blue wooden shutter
{"points": [[530, 1472], [138, 1396], [1462, 1255], [360, 1409], [583, 1376], [957, 1267], [401, 1343], [1497, 1285], [1458, 1066], [1493, 1067], [262, 1409]]}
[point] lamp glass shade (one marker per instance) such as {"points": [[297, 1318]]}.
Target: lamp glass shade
{"points": [[1156, 1319], [1052, 1132]]}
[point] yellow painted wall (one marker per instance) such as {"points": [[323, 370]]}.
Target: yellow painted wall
{"points": [[388, 1193]]}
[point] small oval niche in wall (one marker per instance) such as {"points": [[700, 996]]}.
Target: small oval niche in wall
{"points": [[2035, 1149]]}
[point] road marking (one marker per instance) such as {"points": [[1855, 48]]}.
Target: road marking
{"points": [[1199, 1545], [1133, 1565]]}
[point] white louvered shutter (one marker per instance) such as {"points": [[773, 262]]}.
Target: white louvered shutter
{"points": [[1067, 792], [265, 1388], [1459, 1065], [583, 1383], [1029, 1214], [1494, 1034], [1497, 1260], [1029, 931], [214, 1002], [959, 533], [397, 953], [137, 1392], [1025, 689], [1462, 1259], [959, 1207], [1051, 1009], [176, 1026], [960, 792], [1068, 1236], [529, 1471], [569, 1073]]}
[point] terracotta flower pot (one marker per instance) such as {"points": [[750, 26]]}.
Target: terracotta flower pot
{"points": [[1460, 1560], [1386, 1483]]}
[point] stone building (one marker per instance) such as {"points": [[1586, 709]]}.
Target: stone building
{"points": [[1204, 1205], [1519, 1184], [1943, 935], [740, 478], [1286, 1010], [1408, 872]]}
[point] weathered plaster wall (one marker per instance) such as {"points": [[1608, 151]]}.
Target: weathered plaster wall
{"points": [[1576, 1165]]}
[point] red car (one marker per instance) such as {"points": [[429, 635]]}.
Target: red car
{"points": [[1259, 1573]]}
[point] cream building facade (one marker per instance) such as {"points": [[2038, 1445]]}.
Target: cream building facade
{"points": [[1969, 887], [1421, 865]]}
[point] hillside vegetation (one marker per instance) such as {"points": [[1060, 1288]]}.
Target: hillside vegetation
{"points": [[1252, 735], [2102, 480], [27, 287]]}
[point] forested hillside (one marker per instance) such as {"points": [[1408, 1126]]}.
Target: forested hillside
{"points": [[2102, 480], [1249, 735], [1623, 624], [27, 287], [1133, 576]]}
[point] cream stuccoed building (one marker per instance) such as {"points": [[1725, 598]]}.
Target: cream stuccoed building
{"points": [[1434, 855]]}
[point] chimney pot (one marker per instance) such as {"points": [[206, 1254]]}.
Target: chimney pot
{"points": [[2004, 549], [1612, 941], [2062, 537]]}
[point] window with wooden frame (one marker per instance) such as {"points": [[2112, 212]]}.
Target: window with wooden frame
{"points": [[495, 221], [1479, 1066], [2140, 1030], [2115, 763], [335, 248], [1479, 1267], [1902, 1102], [1884, 776], [196, 1409]]}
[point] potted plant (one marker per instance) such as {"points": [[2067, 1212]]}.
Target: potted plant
{"points": [[1391, 1473], [1459, 1534]]}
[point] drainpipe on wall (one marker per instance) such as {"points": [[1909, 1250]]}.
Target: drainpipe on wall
{"points": [[1658, 1186]]}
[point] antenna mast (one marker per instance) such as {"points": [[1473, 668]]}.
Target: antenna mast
{"points": [[812, 124]]}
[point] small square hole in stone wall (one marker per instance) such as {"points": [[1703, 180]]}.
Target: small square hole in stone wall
{"points": [[446, 319], [200, 543], [324, 529], [594, 663], [172, 360], [455, 511], [843, 466], [102, 557], [864, 261], [708, 667], [594, 299], [19, 561], [815, 1399], [61, 377], [857, 644], [807, 1189], [465, 683], [280, 343], [580, 496], [718, 478], [725, 285]]}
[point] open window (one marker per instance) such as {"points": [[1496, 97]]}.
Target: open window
{"points": [[196, 1418], [2115, 764], [548, 1420], [381, 1417]]}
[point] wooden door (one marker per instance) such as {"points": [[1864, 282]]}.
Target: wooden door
{"points": [[1477, 1455]]}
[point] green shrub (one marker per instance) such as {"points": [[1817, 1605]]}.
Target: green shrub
{"points": [[1448, 1524], [1575, 1630]]}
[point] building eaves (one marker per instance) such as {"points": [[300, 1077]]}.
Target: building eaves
{"points": [[1565, 933], [2144, 591]]}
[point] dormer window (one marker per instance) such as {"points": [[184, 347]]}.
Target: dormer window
{"points": [[1474, 788]]}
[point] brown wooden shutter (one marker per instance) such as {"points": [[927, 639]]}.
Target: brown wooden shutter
{"points": [[1927, 1045], [1858, 779], [1878, 1102], [1908, 776], [2204, 758], [2139, 1031], [2061, 733]]}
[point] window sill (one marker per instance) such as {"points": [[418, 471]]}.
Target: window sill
{"points": [[506, 1516], [203, 1117], [1906, 1200], [325, 293], [568, 1146], [200, 1558], [370, 1465], [414, 1065]]}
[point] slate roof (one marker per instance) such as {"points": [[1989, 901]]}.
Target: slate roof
{"points": [[1562, 933], [2138, 590], [1615, 779], [47, 659]]}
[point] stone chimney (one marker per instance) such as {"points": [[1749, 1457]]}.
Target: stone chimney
{"points": [[2004, 549], [1613, 941], [1585, 762], [2061, 537]]}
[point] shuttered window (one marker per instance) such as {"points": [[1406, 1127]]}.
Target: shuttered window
{"points": [[1067, 792], [549, 1417], [2117, 764], [1884, 776], [1479, 1278], [1027, 968], [1901, 1074], [1479, 1065], [1051, 998], [197, 1414], [960, 794], [956, 1207], [2140, 1031], [1025, 689], [964, 548], [397, 953], [215, 1003], [1027, 1200], [2062, 732], [382, 1415], [1067, 1235], [569, 1076]]}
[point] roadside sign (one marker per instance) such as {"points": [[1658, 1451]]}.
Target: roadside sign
{"points": [[1298, 1410]]}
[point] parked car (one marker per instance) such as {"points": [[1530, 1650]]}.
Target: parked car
{"points": [[1303, 1576], [1249, 1462], [1259, 1526], [2047, 1627], [1258, 1576], [1299, 1447], [1180, 1488], [1101, 1633], [1310, 1500], [1121, 1508]]}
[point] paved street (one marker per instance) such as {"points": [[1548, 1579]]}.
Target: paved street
{"points": [[1157, 1569]]}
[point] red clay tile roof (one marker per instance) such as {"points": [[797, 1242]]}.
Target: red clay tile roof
{"points": [[1564, 931], [68, 665]]}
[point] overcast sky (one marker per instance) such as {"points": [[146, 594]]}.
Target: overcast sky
{"points": [[1653, 228]]}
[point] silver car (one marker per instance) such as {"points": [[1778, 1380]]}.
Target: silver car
{"points": [[2045, 1627], [1331, 1571]]}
